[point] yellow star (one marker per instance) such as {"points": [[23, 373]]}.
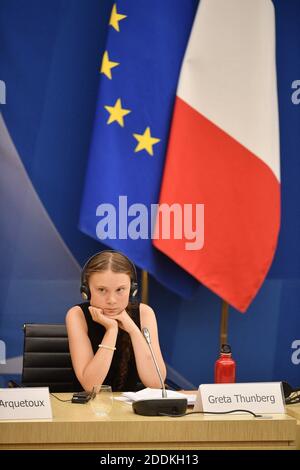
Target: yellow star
{"points": [[116, 113], [107, 65], [115, 17], [145, 141]]}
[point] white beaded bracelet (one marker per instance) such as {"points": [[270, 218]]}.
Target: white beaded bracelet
{"points": [[106, 347]]}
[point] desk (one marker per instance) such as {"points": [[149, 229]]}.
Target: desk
{"points": [[294, 410], [75, 427]]}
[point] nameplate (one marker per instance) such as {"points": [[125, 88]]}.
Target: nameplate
{"points": [[25, 403], [260, 397]]}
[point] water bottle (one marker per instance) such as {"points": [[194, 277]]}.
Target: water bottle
{"points": [[225, 366]]}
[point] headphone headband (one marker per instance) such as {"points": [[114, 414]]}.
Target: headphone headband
{"points": [[84, 288]]}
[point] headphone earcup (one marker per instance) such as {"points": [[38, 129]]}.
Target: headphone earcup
{"points": [[85, 292], [133, 291]]}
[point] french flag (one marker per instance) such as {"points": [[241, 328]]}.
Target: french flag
{"points": [[223, 149]]}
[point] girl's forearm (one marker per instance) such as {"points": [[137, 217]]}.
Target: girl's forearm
{"points": [[96, 370]]}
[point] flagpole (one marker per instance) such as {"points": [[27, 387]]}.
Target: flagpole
{"points": [[224, 323], [145, 287]]}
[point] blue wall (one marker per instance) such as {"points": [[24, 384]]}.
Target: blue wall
{"points": [[49, 60]]}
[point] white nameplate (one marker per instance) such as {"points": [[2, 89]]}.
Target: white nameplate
{"points": [[260, 397], [25, 403]]}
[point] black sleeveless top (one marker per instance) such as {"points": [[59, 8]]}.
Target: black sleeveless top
{"points": [[96, 333]]}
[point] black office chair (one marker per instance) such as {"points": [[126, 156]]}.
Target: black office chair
{"points": [[46, 358]]}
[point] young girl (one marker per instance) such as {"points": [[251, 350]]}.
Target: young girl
{"points": [[105, 338]]}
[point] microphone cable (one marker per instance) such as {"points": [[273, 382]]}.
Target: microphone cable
{"points": [[13, 384], [293, 399], [59, 399], [212, 413], [78, 397]]}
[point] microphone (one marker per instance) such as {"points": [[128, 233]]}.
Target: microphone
{"points": [[158, 406], [146, 334]]}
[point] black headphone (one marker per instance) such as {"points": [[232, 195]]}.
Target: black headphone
{"points": [[291, 394], [85, 290]]}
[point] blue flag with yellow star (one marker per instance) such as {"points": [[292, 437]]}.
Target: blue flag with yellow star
{"points": [[138, 78]]}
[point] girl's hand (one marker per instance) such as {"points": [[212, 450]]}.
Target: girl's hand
{"points": [[124, 321], [99, 317]]}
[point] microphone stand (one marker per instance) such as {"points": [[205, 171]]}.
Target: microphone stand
{"points": [[158, 406], [146, 334]]}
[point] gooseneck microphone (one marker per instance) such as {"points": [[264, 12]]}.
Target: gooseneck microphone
{"points": [[146, 334], [158, 406]]}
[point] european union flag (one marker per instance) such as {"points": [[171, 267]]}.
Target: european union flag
{"points": [[139, 73]]}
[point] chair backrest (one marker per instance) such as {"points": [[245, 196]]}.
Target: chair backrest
{"points": [[46, 358]]}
